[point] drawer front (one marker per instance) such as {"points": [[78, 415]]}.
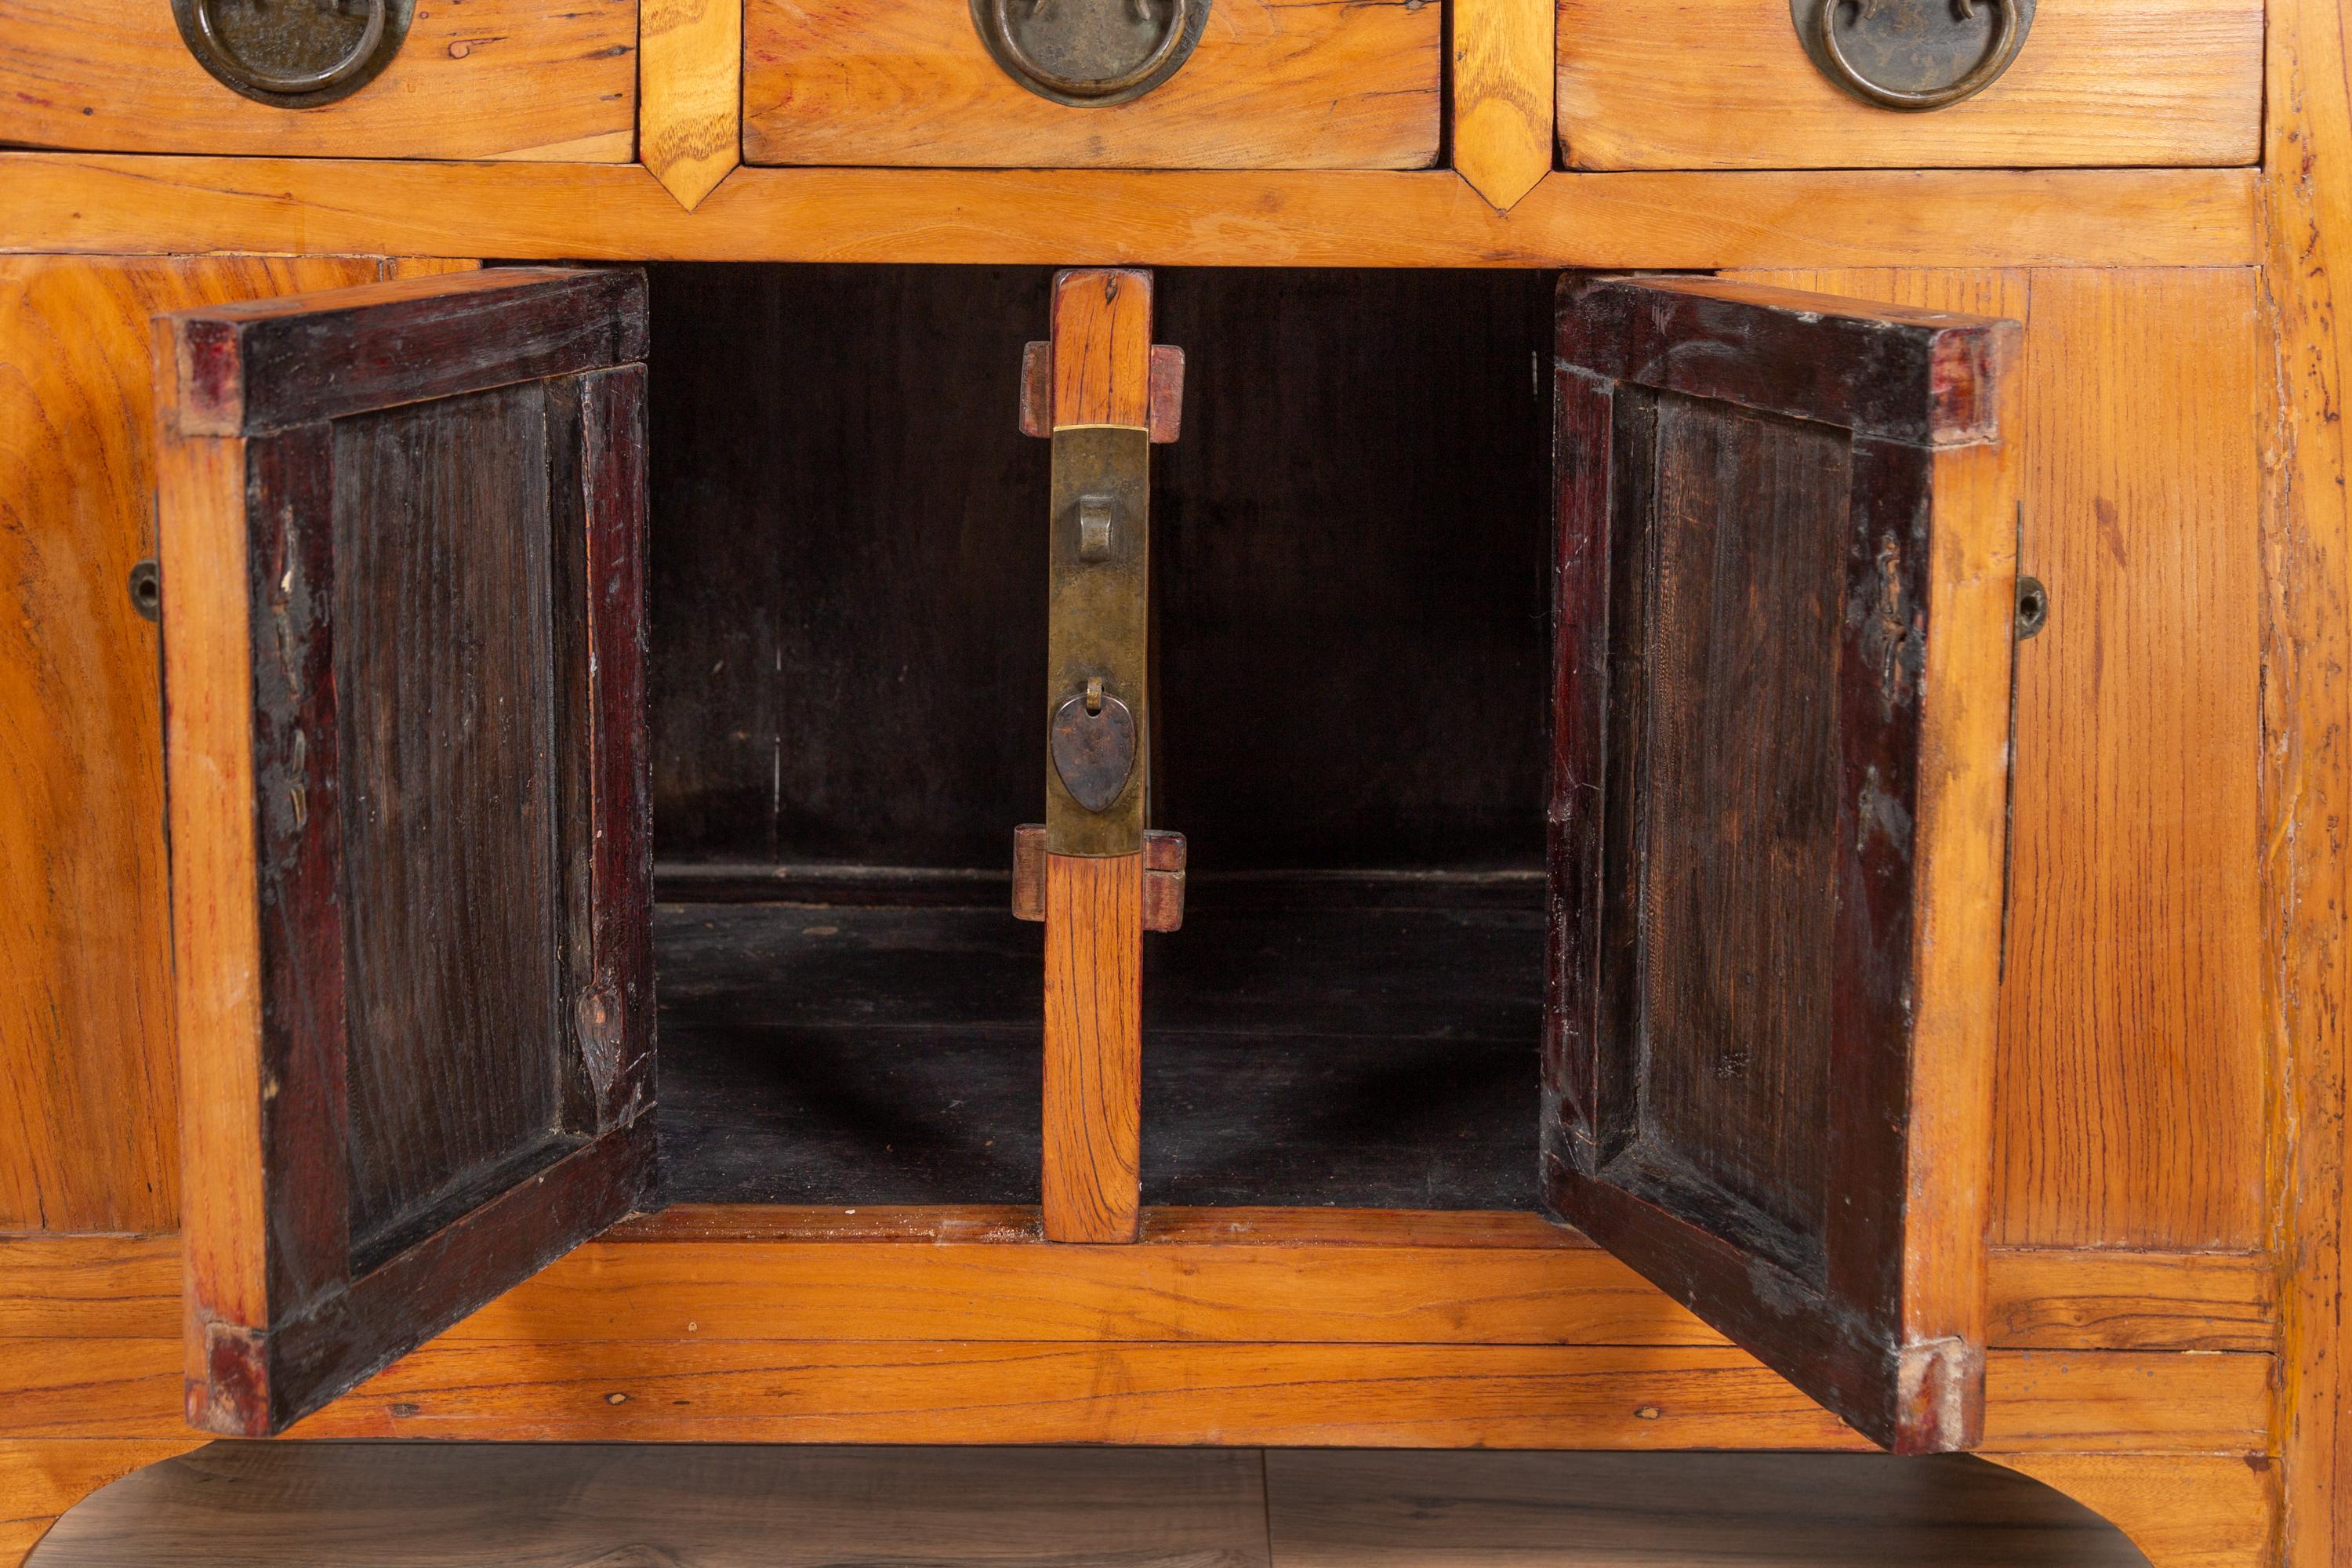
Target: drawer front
{"points": [[485, 79], [1725, 84], [1273, 84]]}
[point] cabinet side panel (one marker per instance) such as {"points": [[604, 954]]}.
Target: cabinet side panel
{"points": [[85, 1040]]}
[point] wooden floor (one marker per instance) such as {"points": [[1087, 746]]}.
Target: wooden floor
{"points": [[384, 1505]]}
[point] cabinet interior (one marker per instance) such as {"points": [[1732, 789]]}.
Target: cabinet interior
{"points": [[1350, 569]]}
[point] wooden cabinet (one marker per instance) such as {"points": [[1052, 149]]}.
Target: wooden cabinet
{"points": [[1663, 966], [415, 927]]}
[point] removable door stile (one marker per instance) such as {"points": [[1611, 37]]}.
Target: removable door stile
{"points": [[1785, 609], [403, 528]]}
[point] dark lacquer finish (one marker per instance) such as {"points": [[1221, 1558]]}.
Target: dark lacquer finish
{"points": [[442, 518], [1780, 694]]}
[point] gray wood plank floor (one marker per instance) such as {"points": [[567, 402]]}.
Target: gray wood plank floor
{"points": [[417, 1505]]}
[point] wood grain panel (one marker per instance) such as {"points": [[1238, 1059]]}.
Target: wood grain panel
{"points": [[2183, 1511], [1102, 347], [690, 87], [2131, 1072], [1336, 1510], [477, 78], [1204, 1274], [1502, 71], [445, 669], [2128, 1102], [84, 1035], [1094, 1047], [1703, 84], [1383, 1397], [2306, 776], [151, 206], [1015, 1392], [1273, 84]]}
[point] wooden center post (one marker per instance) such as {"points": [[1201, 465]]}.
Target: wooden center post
{"points": [[1103, 393]]}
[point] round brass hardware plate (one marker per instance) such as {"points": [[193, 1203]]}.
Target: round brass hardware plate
{"points": [[1912, 54], [294, 54], [1091, 53]]}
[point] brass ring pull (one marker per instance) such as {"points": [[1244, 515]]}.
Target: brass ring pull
{"points": [[2008, 36], [1001, 31], [289, 83]]}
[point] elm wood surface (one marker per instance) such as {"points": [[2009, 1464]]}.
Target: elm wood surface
{"points": [[1501, 78], [2130, 1076], [1785, 520], [84, 970], [2203, 1510], [1101, 376], [1244, 1275], [276, 1507], [1090, 1163], [483, 78], [148, 206], [847, 602], [689, 1389], [1697, 84], [402, 665], [690, 91], [1272, 84], [2306, 233], [1369, 1058]]}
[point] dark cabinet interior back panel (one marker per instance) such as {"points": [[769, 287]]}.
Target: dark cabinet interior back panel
{"points": [[1349, 547]]}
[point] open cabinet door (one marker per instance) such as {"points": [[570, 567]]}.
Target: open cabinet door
{"points": [[404, 631], [1785, 607]]}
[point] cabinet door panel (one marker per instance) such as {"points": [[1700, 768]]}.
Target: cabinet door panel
{"points": [[403, 643], [1785, 601]]}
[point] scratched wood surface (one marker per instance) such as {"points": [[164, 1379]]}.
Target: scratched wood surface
{"points": [[1273, 84], [481, 78], [2306, 584]]}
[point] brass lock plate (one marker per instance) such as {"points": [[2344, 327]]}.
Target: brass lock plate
{"points": [[1098, 733]]}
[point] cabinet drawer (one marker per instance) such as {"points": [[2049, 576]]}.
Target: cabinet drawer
{"points": [[1273, 84], [474, 79], [1706, 84]]}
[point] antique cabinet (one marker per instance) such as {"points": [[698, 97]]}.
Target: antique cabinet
{"points": [[1751, 683]]}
